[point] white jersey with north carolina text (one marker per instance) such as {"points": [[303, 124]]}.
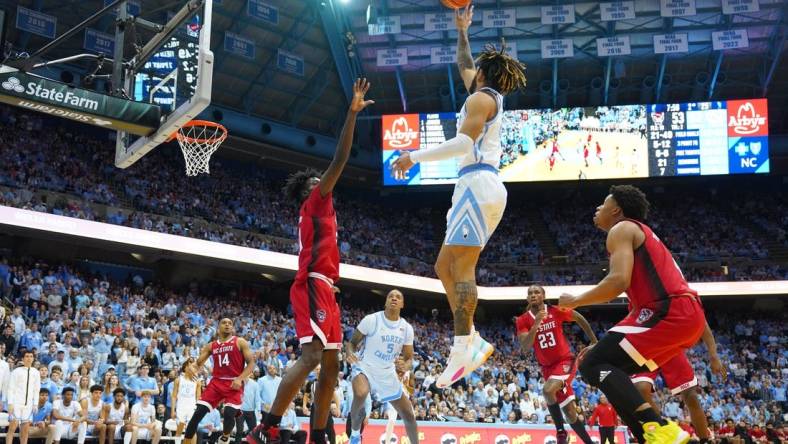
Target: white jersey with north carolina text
{"points": [[487, 147], [383, 340]]}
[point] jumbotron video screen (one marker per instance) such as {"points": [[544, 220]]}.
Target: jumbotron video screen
{"points": [[608, 142]]}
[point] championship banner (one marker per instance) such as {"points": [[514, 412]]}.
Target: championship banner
{"points": [[463, 433]]}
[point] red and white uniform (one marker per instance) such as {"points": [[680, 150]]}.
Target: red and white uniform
{"points": [[666, 316], [312, 294], [677, 374], [551, 348], [228, 364]]}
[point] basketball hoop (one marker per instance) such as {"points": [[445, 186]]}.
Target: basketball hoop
{"points": [[199, 139]]}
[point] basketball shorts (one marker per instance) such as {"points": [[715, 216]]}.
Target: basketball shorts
{"points": [[477, 207], [316, 311], [653, 336], [384, 384], [65, 430], [145, 434], [677, 374], [564, 370], [183, 413], [221, 391], [22, 413]]}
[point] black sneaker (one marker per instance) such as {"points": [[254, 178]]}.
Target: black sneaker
{"points": [[263, 435]]}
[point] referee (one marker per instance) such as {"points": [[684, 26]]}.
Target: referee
{"points": [[606, 415]]}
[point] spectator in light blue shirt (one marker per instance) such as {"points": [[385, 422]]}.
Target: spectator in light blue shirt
{"points": [[47, 384], [83, 301], [252, 403], [778, 391], [269, 384], [32, 338], [136, 384], [289, 427], [42, 415]]}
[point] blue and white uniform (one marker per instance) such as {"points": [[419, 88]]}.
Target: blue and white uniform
{"points": [[383, 342], [479, 198]]}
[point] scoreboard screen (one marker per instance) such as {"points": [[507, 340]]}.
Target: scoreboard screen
{"points": [[611, 142]]}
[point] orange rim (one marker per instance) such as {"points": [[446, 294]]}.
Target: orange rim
{"points": [[181, 137]]}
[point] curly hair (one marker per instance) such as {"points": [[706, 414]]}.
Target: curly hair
{"points": [[631, 200], [502, 72], [296, 181]]}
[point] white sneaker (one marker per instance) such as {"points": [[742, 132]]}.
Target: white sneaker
{"points": [[463, 361], [482, 351], [460, 358]]}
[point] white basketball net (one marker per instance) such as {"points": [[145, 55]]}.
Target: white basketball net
{"points": [[198, 142]]}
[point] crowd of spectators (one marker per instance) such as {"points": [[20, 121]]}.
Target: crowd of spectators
{"points": [[243, 205], [90, 328]]}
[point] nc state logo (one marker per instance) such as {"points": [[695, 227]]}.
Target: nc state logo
{"points": [[645, 315], [321, 315], [658, 117], [400, 135], [746, 120]]}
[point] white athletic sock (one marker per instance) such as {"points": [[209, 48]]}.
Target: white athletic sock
{"points": [[462, 341]]}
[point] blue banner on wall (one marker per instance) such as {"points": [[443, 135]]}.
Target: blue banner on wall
{"points": [[99, 42], [36, 22], [235, 44], [289, 62], [263, 11]]}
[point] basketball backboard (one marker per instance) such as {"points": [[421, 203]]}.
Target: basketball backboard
{"points": [[174, 70]]}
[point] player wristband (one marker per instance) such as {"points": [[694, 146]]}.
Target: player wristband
{"points": [[456, 146]]}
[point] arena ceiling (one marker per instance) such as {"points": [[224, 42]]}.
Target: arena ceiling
{"points": [[332, 37]]}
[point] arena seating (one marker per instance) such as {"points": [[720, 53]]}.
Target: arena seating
{"points": [[50, 166], [146, 316]]}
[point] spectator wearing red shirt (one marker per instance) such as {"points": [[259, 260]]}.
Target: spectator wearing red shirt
{"points": [[605, 414], [757, 434], [727, 433]]}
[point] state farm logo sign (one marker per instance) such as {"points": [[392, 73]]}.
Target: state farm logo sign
{"points": [[748, 118], [401, 132]]}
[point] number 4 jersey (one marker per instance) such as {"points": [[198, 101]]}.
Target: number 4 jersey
{"points": [[550, 343]]}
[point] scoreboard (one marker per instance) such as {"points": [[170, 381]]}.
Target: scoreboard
{"points": [[707, 138], [616, 142]]}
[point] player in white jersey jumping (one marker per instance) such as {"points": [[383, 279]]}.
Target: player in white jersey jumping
{"points": [[479, 197], [385, 335]]}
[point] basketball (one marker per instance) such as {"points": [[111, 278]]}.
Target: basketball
{"points": [[455, 4]]}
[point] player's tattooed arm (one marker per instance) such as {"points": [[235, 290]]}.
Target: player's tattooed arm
{"points": [[351, 347], [465, 307], [583, 323], [464, 57]]}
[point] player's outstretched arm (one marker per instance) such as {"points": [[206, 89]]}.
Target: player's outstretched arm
{"points": [[463, 19], [583, 323], [352, 347], [479, 108], [620, 244], [334, 170]]}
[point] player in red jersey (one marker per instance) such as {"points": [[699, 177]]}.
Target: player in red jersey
{"points": [[680, 379], [598, 151], [233, 363], [551, 159], [666, 319], [541, 328], [585, 154], [556, 149], [312, 295]]}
